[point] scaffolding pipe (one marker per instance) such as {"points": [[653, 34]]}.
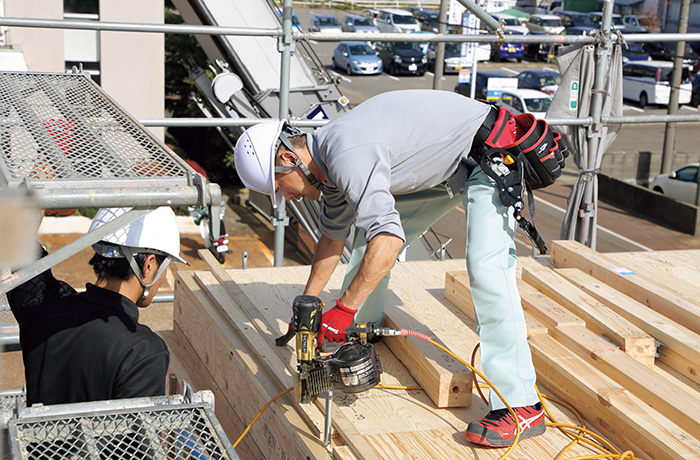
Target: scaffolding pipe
{"points": [[440, 49], [676, 75], [587, 209]]}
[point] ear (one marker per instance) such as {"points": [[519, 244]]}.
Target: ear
{"points": [[288, 157], [150, 267]]}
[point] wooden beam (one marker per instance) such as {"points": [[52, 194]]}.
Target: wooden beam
{"points": [[546, 310], [447, 381], [679, 347], [572, 254], [261, 341], [679, 406], [225, 358], [622, 417], [458, 292], [599, 318]]}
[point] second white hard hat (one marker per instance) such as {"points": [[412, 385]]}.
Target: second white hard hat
{"points": [[254, 157], [156, 230]]}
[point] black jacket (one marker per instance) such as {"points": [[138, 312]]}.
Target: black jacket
{"points": [[86, 346]]}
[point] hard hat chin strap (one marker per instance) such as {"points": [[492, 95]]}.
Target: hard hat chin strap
{"points": [[130, 256]]}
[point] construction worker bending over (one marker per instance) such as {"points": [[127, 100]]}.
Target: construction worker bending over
{"points": [[90, 346], [383, 166]]}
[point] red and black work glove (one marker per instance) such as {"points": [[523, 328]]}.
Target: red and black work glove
{"points": [[334, 322]]}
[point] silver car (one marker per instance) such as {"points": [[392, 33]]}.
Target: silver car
{"points": [[358, 24], [357, 58]]}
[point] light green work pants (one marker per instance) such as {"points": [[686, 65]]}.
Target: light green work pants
{"points": [[491, 258]]}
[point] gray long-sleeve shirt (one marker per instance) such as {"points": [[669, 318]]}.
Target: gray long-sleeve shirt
{"points": [[392, 144]]}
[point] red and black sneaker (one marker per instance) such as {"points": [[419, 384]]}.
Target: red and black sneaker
{"points": [[498, 429]]}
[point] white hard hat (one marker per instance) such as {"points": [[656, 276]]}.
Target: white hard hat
{"points": [[156, 231], [254, 157]]}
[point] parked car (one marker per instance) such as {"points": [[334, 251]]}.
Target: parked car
{"points": [[357, 58], [353, 23], [510, 50], [372, 14], [695, 96], [396, 20], [510, 23], [525, 101], [576, 19], [648, 82], [402, 57], [453, 57], [617, 23], [633, 51], [633, 25], [481, 86], [541, 51], [324, 23], [428, 19], [666, 51], [680, 184], [546, 81], [296, 25], [544, 23]]}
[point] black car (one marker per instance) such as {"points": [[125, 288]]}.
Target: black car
{"points": [[665, 51], [482, 81], [695, 97], [541, 51], [402, 57], [428, 19], [576, 19], [546, 81]]}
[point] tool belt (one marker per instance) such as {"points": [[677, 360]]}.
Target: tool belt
{"points": [[519, 153]]}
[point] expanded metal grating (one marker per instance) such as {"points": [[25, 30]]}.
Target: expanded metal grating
{"points": [[181, 431], [56, 128], [9, 329]]}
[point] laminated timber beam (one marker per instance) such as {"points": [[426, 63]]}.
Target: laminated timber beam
{"points": [[599, 318], [572, 254], [679, 347]]}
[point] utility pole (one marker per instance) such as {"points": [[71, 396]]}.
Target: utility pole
{"points": [[440, 49], [676, 76]]}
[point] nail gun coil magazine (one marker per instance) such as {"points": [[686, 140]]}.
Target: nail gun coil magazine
{"points": [[352, 368]]}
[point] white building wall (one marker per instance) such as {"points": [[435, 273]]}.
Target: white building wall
{"points": [[131, 64], [42, 48]]}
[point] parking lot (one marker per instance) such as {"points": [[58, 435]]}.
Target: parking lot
{"points": [[632, 138]]}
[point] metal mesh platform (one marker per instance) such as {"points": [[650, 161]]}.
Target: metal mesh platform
{"points": [[145, 428], [56, 128]]}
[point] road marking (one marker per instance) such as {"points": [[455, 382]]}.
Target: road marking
{"points": [[631, 107], [313, 42], [392, 77], [688, 107], [509, 70], [599, 227]]}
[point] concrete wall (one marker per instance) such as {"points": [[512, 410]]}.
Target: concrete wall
{"points": [[641, 167], [42, 48], [653, 206]]}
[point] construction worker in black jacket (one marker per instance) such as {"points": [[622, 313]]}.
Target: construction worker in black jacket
{"points": [[89, 346]]}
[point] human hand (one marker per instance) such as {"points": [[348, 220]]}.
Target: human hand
{"points": [[334, 322]]}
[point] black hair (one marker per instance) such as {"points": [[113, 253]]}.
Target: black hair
{"points": [[119, 268]]}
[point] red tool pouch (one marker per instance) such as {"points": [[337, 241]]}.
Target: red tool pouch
{"points": [[540, 147]]}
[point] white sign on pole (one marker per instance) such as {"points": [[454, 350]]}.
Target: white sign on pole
{"points": [[496, 86], [455, 12], [470, 26]]}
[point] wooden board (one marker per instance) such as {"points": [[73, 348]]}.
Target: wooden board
{"points": [[599, 318], [683, 310], [679, 347], [393, 423]]}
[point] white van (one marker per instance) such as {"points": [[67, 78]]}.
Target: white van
{"points": [[397, 21], [648, 82]]}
